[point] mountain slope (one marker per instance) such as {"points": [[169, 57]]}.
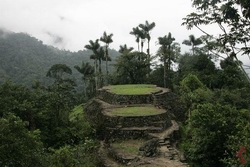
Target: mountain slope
{"points": [[24, 59]]}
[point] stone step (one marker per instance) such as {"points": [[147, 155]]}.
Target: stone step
{"points": [[168, 145], [146, 128], [162, 124], [161, 140], [153, 129], [163, 149], [168, 155], [171, 149], [167, 138], [137, 123], [167, 133], [163, 144]]}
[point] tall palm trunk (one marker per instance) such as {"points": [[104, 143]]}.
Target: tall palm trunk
{"points": [[138, 46], [107, 72], [106, 56], [100, 74], [148, 58], [148, 51], [169, 66], [142, 43], [96, 78], [165, 70], [193, 49]]}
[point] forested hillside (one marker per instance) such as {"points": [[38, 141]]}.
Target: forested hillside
{"points": [[24, 59]]}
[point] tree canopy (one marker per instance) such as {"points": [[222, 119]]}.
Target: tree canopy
{"points": [[232, 18]]}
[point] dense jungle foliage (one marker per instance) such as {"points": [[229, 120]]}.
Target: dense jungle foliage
{"points": [[43, 90]]}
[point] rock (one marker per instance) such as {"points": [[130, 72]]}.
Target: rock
{"points": [[150, 148]]}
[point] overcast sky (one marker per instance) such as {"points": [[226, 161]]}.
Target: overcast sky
{"points": [[70, 24]]}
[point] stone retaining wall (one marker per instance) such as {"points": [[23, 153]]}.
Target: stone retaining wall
{"points": [[113, 126], [169, 101], [139, 121], [117, 99], [94, 109], [116, 133]]}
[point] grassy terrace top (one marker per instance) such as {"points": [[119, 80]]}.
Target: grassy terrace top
{"points": [[135, 111], [129, 147], [135, 89]]}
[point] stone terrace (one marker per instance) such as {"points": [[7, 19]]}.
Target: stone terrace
{"points": [[157, 127]]}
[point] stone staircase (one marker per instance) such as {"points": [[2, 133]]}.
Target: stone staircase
{"points": [[167, 140]]}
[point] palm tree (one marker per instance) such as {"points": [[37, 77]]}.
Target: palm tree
{"points": [[165, 52], [147, 27], [107, 39], [125, 49], [87, 71], [94, 46], [100, 56], [192, 41], [139, 37], [142, 36]]}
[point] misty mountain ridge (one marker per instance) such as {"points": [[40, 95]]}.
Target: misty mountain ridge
{"points": [[24, 59]]}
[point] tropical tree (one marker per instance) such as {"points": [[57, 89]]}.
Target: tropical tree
{"points": [[100, 57], [58, 72], [125, 49], [167, 52], [19, 146], [107, 39], [135, 32], [87, 71], [62, 93], [232, 19], [193, 42], [212, 135], [201, 65], [131, 68], [22, 102], [140, 37], [147, 27], [230, 75], [94, 46]]}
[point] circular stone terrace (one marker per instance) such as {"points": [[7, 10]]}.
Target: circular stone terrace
{"points": [[132, 89], [130, 94]]}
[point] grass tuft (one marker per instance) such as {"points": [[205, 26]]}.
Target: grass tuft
{"points": [[75, 112]]}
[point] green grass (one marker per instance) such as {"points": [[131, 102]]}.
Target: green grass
{"points": [[75, 112], [135, 89], [128, 146], [136, 111]]}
